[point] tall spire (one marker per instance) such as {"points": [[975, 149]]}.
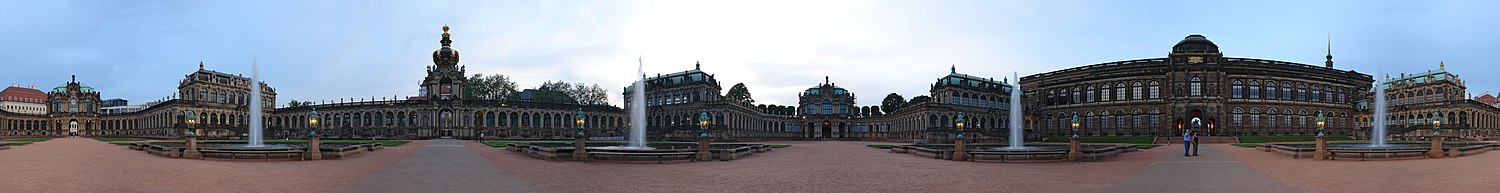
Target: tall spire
{"points": [[1329, 63], [446, 42]]}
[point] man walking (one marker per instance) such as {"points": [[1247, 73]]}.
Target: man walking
{"points": [[1187, 143]]}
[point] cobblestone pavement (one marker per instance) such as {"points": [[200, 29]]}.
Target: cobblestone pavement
{"points": [[1211, 171], [1474, 173], [87, 165], [445, 165], [822, 167]]}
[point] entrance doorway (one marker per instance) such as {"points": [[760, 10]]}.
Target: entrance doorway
{"points": [[827, 129]]}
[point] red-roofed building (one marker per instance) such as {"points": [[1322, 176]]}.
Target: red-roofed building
{"points": [[24, 100], [1486, 99]]}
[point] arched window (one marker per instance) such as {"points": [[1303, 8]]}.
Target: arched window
{"points": [[1301, 92], [1254, 90], [1195, 86], [1254, 118], [1120, 91], [1271, 90], [1317, 94], [1238, 117], [1271, 118], [1155, 90], [1075, 96], [1286, 91], [1238, 90], [1155, 118], [1104, 94], [1089, 98], [1135, 91], [1136, 119]]}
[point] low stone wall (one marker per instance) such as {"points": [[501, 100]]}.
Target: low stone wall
{"points": [[242, 154], [658, 155], [1089, 152], [1301, 150]]}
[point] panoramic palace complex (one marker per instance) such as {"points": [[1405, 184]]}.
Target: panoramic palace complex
{"points": [[1146, 97]]}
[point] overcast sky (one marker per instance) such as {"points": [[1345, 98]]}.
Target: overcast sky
{"points": [[326, 50]]}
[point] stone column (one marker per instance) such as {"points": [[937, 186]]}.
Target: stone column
{"points": [[959, 154], [1073, 152], [313, 153], [192, 149], [580, 149], [1437, 148], [703, 149], [1322, 149]]}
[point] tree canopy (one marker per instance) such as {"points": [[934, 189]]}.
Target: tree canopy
{"points": [[489, 87], [892, 103], [571, 93], [917, 100], [739, 94]]}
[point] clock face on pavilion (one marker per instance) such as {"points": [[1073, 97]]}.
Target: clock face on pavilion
{"points": [[1195, 60]]}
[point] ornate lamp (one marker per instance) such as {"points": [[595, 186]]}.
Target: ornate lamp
{"points": [[958, 123], [192, 120], [703, 124], [312, 122], [578, 120], [1075, 125], [1320, 124], [1437, 124]]}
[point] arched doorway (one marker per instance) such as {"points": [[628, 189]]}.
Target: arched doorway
{"points": [[73, 128], [827, 129], [445, 123]]}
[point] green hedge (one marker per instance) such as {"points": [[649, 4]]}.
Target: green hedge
{"points": [[1269, 139]]}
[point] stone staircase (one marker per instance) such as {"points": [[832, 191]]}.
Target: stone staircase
{"points": [[1203, 140]]}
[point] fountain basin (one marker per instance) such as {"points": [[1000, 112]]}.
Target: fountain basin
{"points": [[235, 151], [1359, 150], [989, 152], [658, 152]]}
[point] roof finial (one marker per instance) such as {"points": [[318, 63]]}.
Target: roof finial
{"points": [[825, 80], [1329, 63], [446, 42], [75, 78], [200, 65]]}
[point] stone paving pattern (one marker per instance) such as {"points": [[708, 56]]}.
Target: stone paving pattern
{"points": [[86, 165]]}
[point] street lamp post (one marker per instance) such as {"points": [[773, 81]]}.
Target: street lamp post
{"points": [[1073, 142], [1321, 153], [191, 137], [580, 144], [959, 153], [1436, 150], [703, 137], [313, 143]]}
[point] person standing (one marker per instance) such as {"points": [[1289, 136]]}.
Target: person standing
{"points": [[1187, 143], [1195, 143]]}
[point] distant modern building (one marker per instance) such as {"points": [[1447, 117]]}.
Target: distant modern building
{"points": [[23, 100], [116, 102]]}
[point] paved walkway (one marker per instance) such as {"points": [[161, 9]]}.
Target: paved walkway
{"points": [[1213, 171], [445, 165]]}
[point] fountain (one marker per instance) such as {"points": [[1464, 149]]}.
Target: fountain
{"points": [[255, 111], [1377, 128], [1015, 114], [637, 136]]}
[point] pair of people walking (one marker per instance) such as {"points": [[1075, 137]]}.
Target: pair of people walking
{"points": [[1189, 143]]}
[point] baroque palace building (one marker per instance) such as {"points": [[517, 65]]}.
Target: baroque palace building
{"points": [[219, 99], [1413, 99], [825, 111], [1158, 96], [441, 111]]}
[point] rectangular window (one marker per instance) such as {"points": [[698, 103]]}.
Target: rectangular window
{"points": [[1155, 92], [1120, 94], [1301, 94], [1135, 93], [1239, 91], [1137, 122], [1254, 121], [1196, 89], [1254, 92], [1237, 120]]}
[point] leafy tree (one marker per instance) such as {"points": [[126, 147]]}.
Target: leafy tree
{"points": [[295, 103], [919, 99], [892, 103], [489, 87], [739, 94], [864, 111], [570, 93], [876, 110]]}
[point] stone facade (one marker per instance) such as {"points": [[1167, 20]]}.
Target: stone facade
{"points": [[1155, 97], [1413, 99]]}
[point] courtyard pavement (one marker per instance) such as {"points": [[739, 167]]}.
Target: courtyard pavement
{"points": [[86, 165], [1211, 171], [445, 165]]}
